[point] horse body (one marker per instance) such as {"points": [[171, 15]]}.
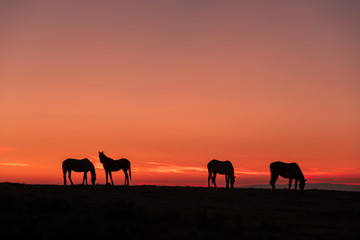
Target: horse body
{"points": [[111, 165], [78, 165], [221, 167], [287, 170]]}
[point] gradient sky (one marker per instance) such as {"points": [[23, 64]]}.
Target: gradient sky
{"points": [[171, 85]]}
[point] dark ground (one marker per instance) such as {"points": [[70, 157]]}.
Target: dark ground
{"points": [[151, 212]]}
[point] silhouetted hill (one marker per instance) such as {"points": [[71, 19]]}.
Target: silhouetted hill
{"points": [[309, 186], [152, 212]]}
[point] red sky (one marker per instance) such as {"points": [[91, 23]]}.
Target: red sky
{"points": [[171, 85]]}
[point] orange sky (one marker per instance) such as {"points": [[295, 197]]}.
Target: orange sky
{"points": [[171, 85]]}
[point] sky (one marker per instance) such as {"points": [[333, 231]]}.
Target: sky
{"points": [[171, 85]]}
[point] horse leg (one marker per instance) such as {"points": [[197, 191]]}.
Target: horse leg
{"points": [[85, 178], [69, 175], [106, 173], [126, 179], [209, 177], [274, 177], [126, 183], [290, 180], [65, 178], [112, 183], [214, 177], [227, 180], [296, 182]]}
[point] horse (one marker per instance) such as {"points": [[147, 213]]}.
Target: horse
{"points": [[221, 167], [111, 165], [78, 165], [287, 170]]}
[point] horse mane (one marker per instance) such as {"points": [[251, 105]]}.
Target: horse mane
{"points": [[104, 157]]}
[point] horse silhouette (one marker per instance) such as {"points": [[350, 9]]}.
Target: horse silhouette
{"points": [[287, 170], [111, 165], [78, 165], [221, 167]]}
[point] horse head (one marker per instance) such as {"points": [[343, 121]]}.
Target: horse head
{"points": [[232, 181], [101, 156]]}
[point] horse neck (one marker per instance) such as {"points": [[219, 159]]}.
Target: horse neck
{"points": [[300, 175], [232, 174], [231, 171], [106, 159]]}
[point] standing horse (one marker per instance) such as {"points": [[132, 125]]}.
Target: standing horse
{"points": [[287, 170], [226, 168], [111, 165], [78, 165]]}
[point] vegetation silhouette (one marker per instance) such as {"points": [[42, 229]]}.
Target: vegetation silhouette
{"points": [[78, 165], [287, 170], [221, 167], [172, 212], [111, 165]]}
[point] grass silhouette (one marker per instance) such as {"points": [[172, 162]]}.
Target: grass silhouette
{"points": [[152, 212]]}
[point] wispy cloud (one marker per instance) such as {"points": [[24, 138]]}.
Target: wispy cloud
{"points": [[95, 160], [17, 164], [169, 168], [14, 164], [172, 168], [164, 168], [98, 165], [249, 172], [335, 171]]}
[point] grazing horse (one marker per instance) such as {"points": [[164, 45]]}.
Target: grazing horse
{"points": [[78, 165], [111, 165], [226, 168], [287, 170]]}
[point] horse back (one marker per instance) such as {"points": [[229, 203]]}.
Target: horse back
{"points": [[286, 170], [77, 165], [221, 167], [116, 165]]}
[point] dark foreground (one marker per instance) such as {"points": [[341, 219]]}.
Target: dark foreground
{"points": [[150, 212]]}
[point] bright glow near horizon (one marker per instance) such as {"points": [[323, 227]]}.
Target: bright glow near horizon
{"points": [[171, 85]]}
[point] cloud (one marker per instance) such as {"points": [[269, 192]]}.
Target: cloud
{"points": [[249, 172], [169, 168], [313, 172], [98, 165], [14, 164]]}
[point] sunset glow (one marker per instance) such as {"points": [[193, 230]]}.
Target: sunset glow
{"points": [[171, 85]]}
